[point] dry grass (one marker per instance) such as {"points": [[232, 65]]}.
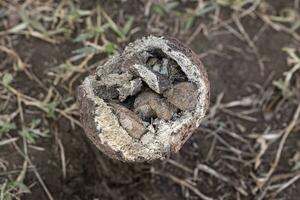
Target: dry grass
{"points": [[237, 158]]}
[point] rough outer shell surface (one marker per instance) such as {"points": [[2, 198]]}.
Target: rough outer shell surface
{"points": [[101, 123]]}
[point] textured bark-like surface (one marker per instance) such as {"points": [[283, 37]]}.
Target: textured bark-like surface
{"points": [[146, 102]]}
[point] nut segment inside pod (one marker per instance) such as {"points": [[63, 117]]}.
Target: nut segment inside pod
{"points": [[147, 101]]}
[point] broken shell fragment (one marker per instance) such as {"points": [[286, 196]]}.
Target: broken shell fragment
{"points": [[129, 89], [155, 80], [144, 103]]}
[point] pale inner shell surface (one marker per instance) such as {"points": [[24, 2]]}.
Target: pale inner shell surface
{"points": [[149, 99]]}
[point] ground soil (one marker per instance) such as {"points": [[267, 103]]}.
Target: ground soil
{"points": [[91, 175]]}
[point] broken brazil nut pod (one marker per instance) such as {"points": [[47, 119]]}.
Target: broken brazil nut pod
{"points": [[144, 103]]}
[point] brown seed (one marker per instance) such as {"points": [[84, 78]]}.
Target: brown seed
{"points": [[129, 121], [183, 95], [163, 109], [152, 61], [142, 104], [149, 104]]}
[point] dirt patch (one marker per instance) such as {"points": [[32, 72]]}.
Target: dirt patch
{"points": [[224, 141]]}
